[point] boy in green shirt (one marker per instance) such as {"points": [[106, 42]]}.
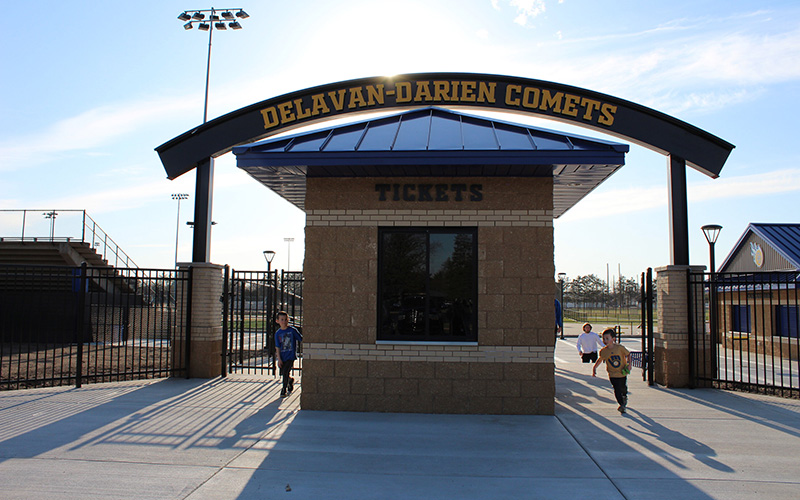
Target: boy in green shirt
{"points": [[617, 360]]}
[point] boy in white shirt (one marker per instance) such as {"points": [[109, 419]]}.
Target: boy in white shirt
{"points": [[589, 343]]}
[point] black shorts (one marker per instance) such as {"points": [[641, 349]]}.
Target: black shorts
{"points": [[589, 357]]}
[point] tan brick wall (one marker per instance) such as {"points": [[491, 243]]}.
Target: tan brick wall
{"points": [[206, 334], [509, 370], [672, 338]]}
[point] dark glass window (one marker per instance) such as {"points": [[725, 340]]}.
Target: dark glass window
{"points": [[741, 318], [787, 320], [427, 284]]}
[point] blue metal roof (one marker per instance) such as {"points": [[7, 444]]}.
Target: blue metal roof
{"points": [[433, 142], [784, 238]]}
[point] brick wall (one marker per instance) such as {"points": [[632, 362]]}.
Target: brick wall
{"points": [[509, 369], [672, 336], [206, 333]]}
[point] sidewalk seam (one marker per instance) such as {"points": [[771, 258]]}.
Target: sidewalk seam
{"points": [[590, 456]]}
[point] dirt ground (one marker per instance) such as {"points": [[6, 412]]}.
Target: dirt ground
{"points": [[27, 367]]}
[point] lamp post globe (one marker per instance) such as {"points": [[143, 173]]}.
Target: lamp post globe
{"points": [[268, 256]]}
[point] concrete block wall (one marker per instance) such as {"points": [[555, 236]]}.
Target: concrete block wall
{"points": [[206, 333], [672, 336], [508, 370]]}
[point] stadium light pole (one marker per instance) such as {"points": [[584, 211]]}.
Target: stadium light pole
{"points": [[221, 20], [179, 197], [288, 253], [52, 216], [217, 19]]}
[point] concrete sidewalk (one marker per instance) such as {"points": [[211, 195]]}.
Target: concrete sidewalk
{"points": [[235, 438]]}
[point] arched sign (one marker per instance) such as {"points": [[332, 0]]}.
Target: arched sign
{"points": [[617, 117]]}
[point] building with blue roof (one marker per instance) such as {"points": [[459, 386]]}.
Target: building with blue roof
{"points": [[765, 247], [757, 291]]}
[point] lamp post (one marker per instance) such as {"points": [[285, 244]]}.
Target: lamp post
{"points": [[268, 256], [217, 19], [711, 232], [561, 277], [179, 197], [289, 253]]}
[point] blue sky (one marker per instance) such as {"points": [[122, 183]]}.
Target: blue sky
{"points": [[90, 88]]}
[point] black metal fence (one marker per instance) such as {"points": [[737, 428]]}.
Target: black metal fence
{"points": [[744, 331], [252, 300], [73, 325], [646, 357]]}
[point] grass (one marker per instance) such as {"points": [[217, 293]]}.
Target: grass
{"points": [[628, 319]]}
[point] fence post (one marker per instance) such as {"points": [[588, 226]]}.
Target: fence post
{"points": [[241, 322], [187, 340], [643, 325], [650, 335], [81, 313], [225, 298]]}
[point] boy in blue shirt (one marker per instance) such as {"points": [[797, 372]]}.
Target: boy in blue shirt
{"points": [[286, 340]]}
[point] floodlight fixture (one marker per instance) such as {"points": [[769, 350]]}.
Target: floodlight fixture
{"points": [[184, 16], [235, 26], [204, 26], [227, 15], [187, 26], [220, 26], [242, 14], [198, 16]]}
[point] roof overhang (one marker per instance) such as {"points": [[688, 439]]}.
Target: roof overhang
{"points": [[433, 142]]}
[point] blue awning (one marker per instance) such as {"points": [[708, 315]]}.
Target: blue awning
{"points": [[433, 142]]}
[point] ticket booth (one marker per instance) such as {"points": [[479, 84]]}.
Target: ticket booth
{"points": [[429, 257], [429, 235]]}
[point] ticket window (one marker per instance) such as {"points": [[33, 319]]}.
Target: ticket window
{"points": [[427, 290]]}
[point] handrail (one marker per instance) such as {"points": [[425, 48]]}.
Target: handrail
{"points": [[98, 236]]}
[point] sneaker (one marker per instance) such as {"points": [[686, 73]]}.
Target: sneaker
{"points": [[291, 384], [621, 409], [283, 394]]}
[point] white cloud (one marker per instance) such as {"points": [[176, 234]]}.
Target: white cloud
{"points": [[622, 201], [527, 9], [684, 65], [775, 182], [90, 129]]}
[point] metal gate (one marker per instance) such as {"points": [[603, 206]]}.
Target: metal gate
{"points": [[744, 331], [646, 357], [251, 302]]}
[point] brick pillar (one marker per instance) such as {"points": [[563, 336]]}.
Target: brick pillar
{"points": [[205, 351], [672, 335]]}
